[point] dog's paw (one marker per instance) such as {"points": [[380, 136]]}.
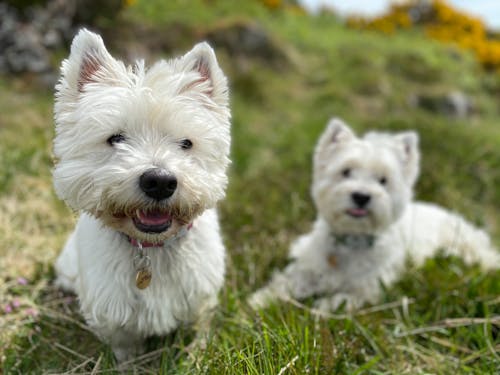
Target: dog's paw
{"points": [[333, 303], [127, 353], [261, 298], [65, 283], [278, 289]]}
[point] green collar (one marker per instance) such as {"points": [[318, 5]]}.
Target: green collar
{"points": [[355, 241]]}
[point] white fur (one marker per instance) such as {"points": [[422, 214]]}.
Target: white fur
{"points": [[155, 109], [402, 229]]}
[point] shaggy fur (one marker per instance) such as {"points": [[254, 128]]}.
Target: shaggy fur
{"points": [[113, 124], [367, 226]]}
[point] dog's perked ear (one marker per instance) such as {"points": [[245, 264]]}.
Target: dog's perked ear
{"points": [[407, 144], [210, 80], [337, 133], [88, 62]]}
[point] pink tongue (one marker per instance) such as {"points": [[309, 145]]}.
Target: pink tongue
{"points": [[357, 212], [153, 218]]}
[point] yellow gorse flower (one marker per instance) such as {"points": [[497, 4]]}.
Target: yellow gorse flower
{"points": [[440, 22]]}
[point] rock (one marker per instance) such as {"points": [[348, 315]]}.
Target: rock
{"points": [[26, 52], [25, 39], [454, 103], [458, 104], [31, 29], [247, 40]]}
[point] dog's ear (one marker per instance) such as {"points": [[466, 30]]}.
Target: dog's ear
{"points": [[88, 62], [408, 147], [209, 79], [337, 132]]}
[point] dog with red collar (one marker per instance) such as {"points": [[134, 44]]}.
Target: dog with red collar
{"points": [[141, 154]]}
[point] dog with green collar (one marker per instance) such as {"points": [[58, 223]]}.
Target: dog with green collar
{"points": [[367, 225]]}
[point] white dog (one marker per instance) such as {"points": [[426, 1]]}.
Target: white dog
{"points": [[142, 155], [367, 227]]}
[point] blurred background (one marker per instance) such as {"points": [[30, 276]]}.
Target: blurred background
{"points": [[428, 65]]}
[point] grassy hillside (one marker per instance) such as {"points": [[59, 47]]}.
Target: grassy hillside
{"points": [[441, 319]]}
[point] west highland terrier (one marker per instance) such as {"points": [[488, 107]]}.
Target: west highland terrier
{"points": [[142, 155], [367, 227]]}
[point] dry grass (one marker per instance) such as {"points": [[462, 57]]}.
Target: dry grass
{"points": [[31, 231]]}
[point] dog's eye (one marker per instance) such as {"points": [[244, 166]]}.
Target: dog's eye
{"points": [[115, 138], [346, 172], [383, 180], [186, 144]]}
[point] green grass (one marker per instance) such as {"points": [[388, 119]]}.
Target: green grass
{"points": [[440, 319]]}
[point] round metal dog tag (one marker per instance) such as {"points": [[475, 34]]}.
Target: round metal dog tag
{"points": [[143, 278], [332, 260]]}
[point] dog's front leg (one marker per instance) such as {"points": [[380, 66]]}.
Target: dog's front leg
{"points": [[363, 291], [202, 325], [277, 289], [296, 281], [126, 345], [332, 303]]}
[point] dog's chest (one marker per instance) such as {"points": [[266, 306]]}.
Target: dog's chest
{"points": [[343, 262], [363, 258], [179, 288], [162, 306], [351, 252], [176, 281], [174, 296]]}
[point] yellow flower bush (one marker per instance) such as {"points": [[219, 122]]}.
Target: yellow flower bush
{"points": [[397, 18], [272, 4], [290, 6], [441, 22]]}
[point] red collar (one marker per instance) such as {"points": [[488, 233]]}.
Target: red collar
{"points": [[136, 243]]}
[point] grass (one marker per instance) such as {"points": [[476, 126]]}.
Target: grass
{"points": [[440, 319]]}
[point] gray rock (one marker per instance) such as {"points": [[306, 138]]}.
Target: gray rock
{"points": [[28, 36], [454, 103], [248, 40], [458, 104]]}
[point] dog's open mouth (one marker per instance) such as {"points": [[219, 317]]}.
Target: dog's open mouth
{"points": [[357, 212], [152, 221]]}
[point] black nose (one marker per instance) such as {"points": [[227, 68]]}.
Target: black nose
{"points": [[360, 199], [157, 183]]}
